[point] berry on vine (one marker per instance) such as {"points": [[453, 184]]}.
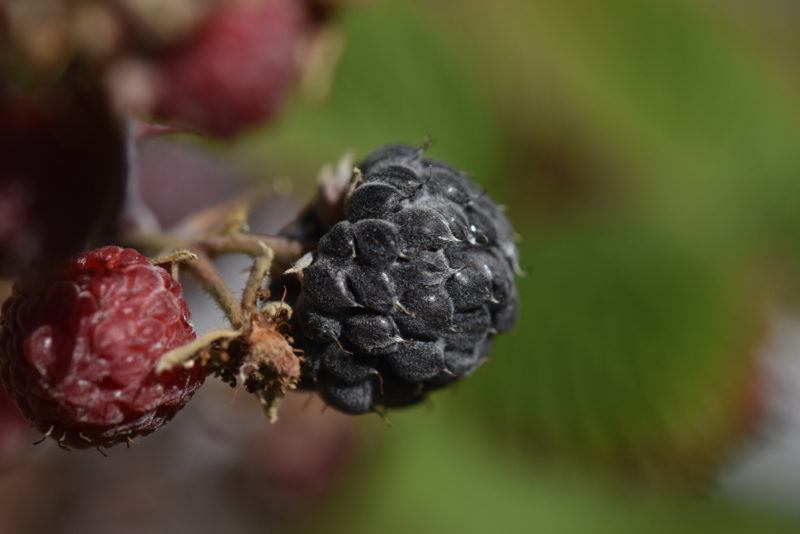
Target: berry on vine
{"points": [[79, 346], [406, 293]]}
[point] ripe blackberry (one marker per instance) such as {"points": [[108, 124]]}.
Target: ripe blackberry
{"points": [[78, 348], [406, 294]]}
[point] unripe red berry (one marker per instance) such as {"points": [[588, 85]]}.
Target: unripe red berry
{"points": [[78, 348]]}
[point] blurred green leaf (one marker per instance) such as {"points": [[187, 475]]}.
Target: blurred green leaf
{"points": [[396, 83], [633, 350], [701, 129], [436, 475]]}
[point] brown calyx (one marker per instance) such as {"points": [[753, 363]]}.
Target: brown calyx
{"points": [[270, 366]]}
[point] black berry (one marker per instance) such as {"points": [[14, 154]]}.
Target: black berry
{"points": [[406, 293]]}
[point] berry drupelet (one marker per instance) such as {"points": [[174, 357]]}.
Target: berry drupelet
{"points": [[79, 346], [407, 292]]}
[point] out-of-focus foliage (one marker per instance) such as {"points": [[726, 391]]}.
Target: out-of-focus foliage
{"points": [[436, 474], [648, 153], [396, 82]]}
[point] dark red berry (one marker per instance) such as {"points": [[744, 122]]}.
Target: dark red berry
{"points": [[63, 167], [78, 348], [235, 70]]}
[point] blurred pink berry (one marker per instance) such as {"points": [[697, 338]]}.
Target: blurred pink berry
{"points": [[235, 71]]}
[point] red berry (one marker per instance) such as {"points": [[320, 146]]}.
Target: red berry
{"points": [[78, 348], [235, 70], [63, 166]]}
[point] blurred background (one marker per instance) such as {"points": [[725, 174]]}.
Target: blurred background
{"points": [[649, 157]]}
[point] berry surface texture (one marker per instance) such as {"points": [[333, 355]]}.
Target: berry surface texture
{"points": [[405, 294], [78, 348]]}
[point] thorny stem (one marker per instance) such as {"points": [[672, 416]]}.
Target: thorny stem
{"points": [[185, 354], [285, 250], [203, 269], [258, 272], [196, 255], [175, 257], [174, 260]]}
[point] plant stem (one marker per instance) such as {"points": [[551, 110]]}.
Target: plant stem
{"points": [[185, 354], [258, 272], [285, 250], [203, 269]]}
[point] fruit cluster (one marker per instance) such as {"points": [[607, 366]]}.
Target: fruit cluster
{"points": [[401, 296], [391, 284]]}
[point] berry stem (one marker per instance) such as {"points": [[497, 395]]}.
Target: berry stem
{"points": [[203, 269], [258, 272], [285, 250], [174, 260], [184, 355]]}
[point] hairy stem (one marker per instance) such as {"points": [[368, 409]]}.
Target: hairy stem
{"points": [[285, 250], [258, 272], [203, 269], [185, 354]]}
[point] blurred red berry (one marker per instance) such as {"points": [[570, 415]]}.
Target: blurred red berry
{"points": [[235, 70], [63, 166], [78, 348]]}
